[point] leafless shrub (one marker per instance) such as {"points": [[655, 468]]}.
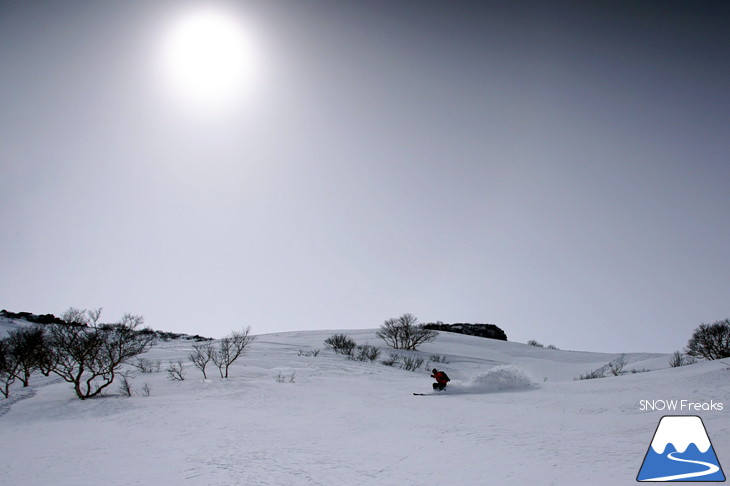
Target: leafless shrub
{"points": [[591, 375], [146, 390], [616, 367], [230, 348], [125, 386], [439, 359], [532, 342], [340, 344], [678, 359], [405, 333], [365, 352], [635, 371], [282, 378], [202, 355], [392, 359], [147, 365], [411, 363], [313, 353], [176, 370], [710, 341]]}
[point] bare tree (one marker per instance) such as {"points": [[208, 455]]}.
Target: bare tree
{"points": [[8, 367], [94, 315], [202, 355], [89, 357], [710, 341], [28, 348], [176, 370], [75, 316], [230, 348], [405, 333]]}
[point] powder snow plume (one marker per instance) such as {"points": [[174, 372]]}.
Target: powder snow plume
{"points": [[501, 378]]}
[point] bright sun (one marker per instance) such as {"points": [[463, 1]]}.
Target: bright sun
{"points": [[208, 59]]}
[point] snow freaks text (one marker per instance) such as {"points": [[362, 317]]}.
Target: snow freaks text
{"points": [[680, 406]]}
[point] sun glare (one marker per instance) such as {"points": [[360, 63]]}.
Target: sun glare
{"points": [[208, 59]]}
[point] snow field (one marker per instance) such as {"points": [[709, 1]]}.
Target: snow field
{"points": [[511, 415]]}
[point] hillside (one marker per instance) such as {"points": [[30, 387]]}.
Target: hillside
{"points": [[286, 417]]}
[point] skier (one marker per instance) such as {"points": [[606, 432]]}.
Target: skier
{"points": [[441, 379]]}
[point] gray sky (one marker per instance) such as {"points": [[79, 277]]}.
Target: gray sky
{"points": [[556, 168]]}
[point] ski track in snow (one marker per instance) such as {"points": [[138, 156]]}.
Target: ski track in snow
{"points": [[342, 422]]}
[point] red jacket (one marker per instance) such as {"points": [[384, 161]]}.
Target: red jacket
{"points": [[441, 377]]}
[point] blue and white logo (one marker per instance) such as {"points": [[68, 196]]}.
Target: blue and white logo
{"points": [[681, 451]]}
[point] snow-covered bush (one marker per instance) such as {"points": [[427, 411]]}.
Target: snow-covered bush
{"points": [[532, 342]]}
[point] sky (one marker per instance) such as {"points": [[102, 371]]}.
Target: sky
{"points": [[559, 169]]}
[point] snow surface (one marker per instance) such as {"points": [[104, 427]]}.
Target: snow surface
{"points": [[513, 414]]}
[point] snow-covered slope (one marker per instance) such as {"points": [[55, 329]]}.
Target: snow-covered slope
{"points": [[287, 417], [7, 325]]}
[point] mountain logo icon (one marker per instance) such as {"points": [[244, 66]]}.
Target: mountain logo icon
{"points": [[681, 451]]}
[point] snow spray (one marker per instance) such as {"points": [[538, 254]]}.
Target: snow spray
{"points": [[501, 378]]}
